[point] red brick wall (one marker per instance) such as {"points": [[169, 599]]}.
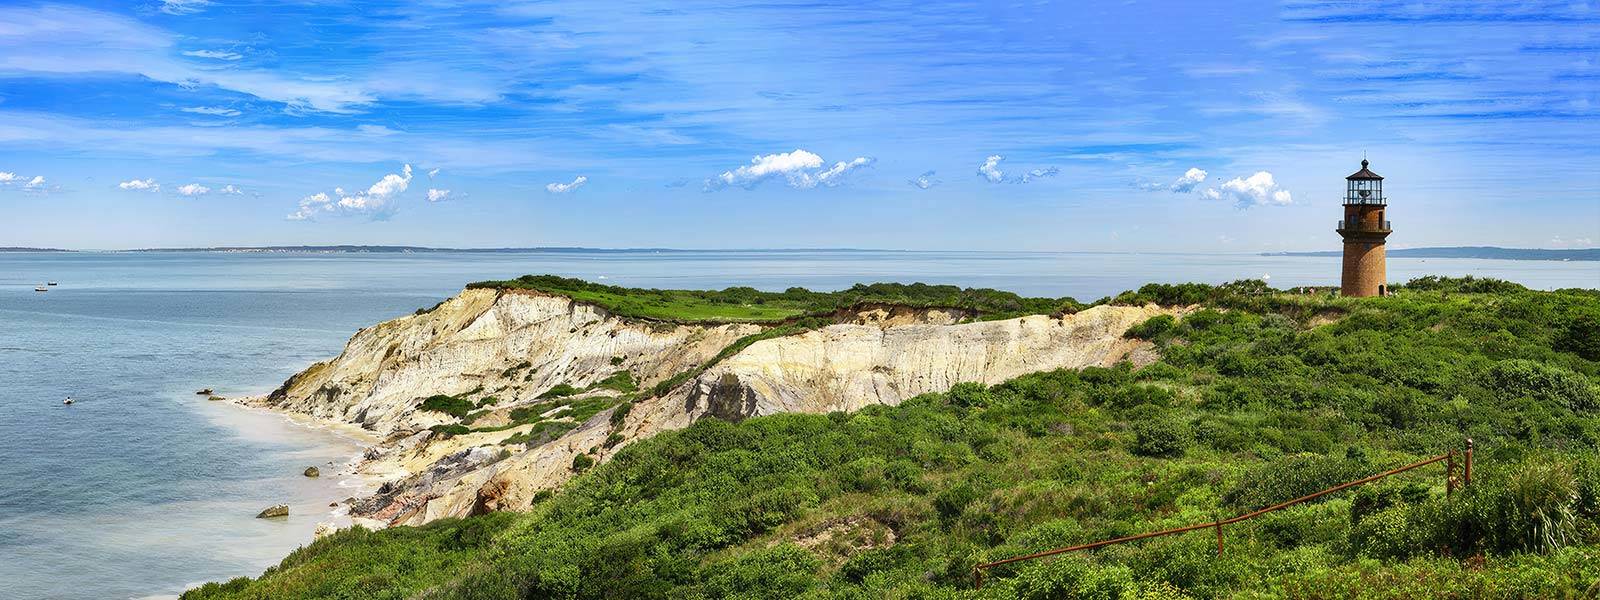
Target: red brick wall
{"points": [[1364, 267]]}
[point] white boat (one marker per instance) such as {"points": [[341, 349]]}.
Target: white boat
{"points": [[41, 289], [68, 401]]}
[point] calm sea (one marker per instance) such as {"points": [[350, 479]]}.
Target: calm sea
{"points": [[143, 488]]}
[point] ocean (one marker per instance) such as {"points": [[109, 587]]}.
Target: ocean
{"points": [[143, 488]]}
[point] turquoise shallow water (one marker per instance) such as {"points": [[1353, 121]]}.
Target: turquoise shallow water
{"points": [[143, 488]]}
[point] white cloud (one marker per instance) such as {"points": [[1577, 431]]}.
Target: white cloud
{"points": [[231, 190], [374, 201], [309, 206], [391, 184], [437, 195], [146, 185], [835, 174], [35, 183], [183, 7], [216, 54], [990, 171], [219, 111], [924, 181], [433, 173], [562, 188], [1191, 178], [7, 177], [193, 189], [1573, 242], [1182, 185], [801, 169], [761, 167], [1255, 190]]}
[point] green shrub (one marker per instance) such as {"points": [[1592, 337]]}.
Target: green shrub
{"points": [[450, 405], [1159, 437], [450, 430], [582, 462], [1551, 385], [970, 395], [560, 390], [620, 381], [1153, 328], [1581, 334], [1288, 478]]}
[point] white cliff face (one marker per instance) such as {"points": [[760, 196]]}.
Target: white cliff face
{"points": [[516, 345], [509, 344], [848, 367]]}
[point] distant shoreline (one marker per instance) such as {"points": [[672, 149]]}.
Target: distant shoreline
{"points": [[1476, 252], [1479, 252]]}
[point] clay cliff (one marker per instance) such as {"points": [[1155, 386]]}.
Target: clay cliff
{"points": [[494, 395]]}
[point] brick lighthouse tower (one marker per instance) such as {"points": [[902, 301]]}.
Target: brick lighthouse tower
{"points": [[1364, 228]]}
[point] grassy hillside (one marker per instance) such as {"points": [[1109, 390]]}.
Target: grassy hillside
{"points": [[745, 304], [1259, 398]]}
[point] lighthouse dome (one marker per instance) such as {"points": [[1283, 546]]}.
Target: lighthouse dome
{"points": [[1364, 173]]}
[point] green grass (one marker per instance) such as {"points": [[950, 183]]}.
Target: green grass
{"points": [[1249, 405], [749, 305]]}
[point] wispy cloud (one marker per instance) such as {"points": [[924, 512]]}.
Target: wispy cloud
{"points": [[183, 7], [219, 111], [1560, 241], [143, 185], [801, 169], [214, 54], [990, 171], [438, 195], [193, 189], [1184, 184], [7, 177], [231, 190], [1256, 190], [924, 181], [562, 188]]}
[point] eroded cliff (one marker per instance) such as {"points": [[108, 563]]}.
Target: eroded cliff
{"points": [[495, 395]]}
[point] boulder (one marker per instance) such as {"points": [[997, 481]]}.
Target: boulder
{"points": [[313, 472], [276, 510]]}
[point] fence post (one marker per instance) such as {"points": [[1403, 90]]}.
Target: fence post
{"points": [[977, 578], [1219, 538], [1466, 475], [1450, 473]]}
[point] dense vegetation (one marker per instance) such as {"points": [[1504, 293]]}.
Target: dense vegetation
{"points": [[1260, 397], [746, 304]]}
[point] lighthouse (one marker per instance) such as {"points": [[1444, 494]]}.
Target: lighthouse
{"points": [[1364, 228]]}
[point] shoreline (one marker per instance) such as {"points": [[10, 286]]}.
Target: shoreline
{"points": [[366, 483], [341, 479]]}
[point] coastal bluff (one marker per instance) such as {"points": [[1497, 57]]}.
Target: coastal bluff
{"points": [[496, 395]]}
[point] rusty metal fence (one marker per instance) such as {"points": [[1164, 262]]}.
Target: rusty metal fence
{"points": [[1451, 482]]}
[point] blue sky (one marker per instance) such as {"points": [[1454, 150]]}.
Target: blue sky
{"points": [[1133, 126]]}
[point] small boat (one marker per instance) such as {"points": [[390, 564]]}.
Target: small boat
{"points": [[41, 289], [204, 392], [68, 401], [52, 284]]}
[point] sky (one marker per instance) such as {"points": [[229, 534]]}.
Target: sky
{"points": [[1050, 126]]}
